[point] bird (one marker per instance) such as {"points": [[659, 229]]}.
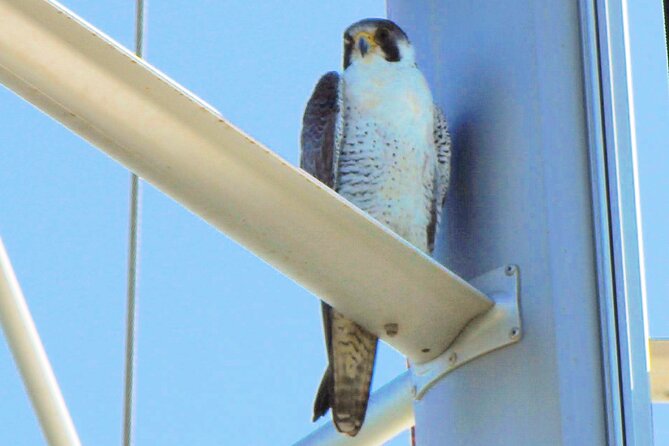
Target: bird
{"points": [[373, 134]]}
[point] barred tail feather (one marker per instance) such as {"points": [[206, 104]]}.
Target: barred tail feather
{"points": [[354, 353]]}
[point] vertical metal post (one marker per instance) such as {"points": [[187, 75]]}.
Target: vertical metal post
{"points": [[635, 101], [602, 222], [510, 77], [32, 361]]}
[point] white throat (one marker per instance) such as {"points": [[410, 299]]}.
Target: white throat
{"points": [[391, 92]]}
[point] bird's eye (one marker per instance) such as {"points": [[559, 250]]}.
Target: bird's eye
{"points": [[382, 34]]}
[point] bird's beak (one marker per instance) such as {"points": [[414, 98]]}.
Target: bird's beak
{"points": [[365, 42], [363, 46]]}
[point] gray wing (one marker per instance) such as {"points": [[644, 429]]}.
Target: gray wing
{"points": [[322, 130], [442, 144], [319, 143], [321, 134]]}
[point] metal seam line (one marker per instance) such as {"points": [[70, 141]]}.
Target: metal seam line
{"points": [[133, 249]]}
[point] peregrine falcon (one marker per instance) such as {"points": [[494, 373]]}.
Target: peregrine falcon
{"points": [[374, 135]]}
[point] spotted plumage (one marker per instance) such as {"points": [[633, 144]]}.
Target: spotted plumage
{"points": [[374, 135]]}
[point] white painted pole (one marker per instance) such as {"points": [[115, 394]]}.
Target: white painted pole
{"points": [[547, 123], [31, 359]]}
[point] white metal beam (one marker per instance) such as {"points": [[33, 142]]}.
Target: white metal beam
{"points": [[31, 359], [184, 147]]}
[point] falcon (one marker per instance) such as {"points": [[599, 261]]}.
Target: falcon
{"points": [[374, 135]]}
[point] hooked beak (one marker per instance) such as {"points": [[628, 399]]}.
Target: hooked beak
{"points": [[363, 46], [365, 42]]}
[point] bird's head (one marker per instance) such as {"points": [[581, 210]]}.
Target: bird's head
{"points": [[370, 40]]}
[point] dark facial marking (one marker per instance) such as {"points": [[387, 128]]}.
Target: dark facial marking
{"points": [[348, 49], [387, 35], [388, 43], [382, 34]]}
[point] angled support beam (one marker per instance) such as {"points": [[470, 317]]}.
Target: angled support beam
{"points": [[31, 359], [497, 328], [390, 409], [185, 148]]}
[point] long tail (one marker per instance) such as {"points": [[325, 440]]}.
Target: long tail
{"points": [[347, 380], [346, 383], [323, 399]]}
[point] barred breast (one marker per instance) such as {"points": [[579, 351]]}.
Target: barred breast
{"points": [[387, 158]]}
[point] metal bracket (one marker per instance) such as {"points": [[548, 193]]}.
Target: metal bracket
{"points": [[498, 327]]}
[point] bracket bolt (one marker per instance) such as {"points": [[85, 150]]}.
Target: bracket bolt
{"points": [[514, 333], [452, 358], [391, 329], [510, 270]]}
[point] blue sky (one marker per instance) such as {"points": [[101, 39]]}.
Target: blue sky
{"points": [[229, 350]]}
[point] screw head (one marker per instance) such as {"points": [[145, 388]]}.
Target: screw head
{"points": [[391, 329], [452, 358], [510, 270], [514, 333]]}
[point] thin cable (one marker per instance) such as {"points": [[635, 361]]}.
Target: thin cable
{"points": [[133, 253], [139, 28]]}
